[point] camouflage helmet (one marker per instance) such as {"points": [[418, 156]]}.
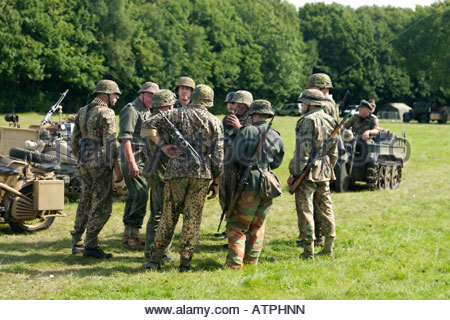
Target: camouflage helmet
{"points": [[150, 87], [186, 82], [162, 98], [203, 95], [263, 107], [229, 97], [312, 97], [106, 86], [242, 96], [321, 80], [365, 104]]}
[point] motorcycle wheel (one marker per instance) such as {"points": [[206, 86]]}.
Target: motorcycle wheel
{"points": [[31, 225]]}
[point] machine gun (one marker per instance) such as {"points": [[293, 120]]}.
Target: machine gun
{"points": [[182, 140], [53, 108], [319, 153]]}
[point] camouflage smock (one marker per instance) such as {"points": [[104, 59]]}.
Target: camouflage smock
{"points": [[359, 124], [203, 131], [94, 135], [244, 147], [311, 132], [331, 109]]}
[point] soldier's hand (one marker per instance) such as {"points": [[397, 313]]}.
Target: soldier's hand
{"points": [[232, 121], [213, 189], [366, 135], [171, 151], [119, 175], [133, 170]]}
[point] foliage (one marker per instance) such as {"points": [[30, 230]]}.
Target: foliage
{"points": [[265, 46]]}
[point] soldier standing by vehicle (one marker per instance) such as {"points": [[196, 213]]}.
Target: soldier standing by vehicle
{"points": [[249, 214], [131, 118], [94, 144], [185, 86], [364, 124], [311, 132], [156, 167], [187, 182], [322, 82]]}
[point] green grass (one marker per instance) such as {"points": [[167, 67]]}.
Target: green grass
{"points": [[390, 245]]}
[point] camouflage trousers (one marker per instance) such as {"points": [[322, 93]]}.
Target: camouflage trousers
{"points": [[314, 198], [248, 217], [137, 197], [156, 205], [95, 205], [184, 196]]}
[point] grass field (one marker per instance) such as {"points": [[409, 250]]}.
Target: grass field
{"points": [[390, 245]]}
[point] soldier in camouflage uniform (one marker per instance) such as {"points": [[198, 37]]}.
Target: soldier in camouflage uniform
{"points": [[186, 183], [185, 86], [133, 161], [364, 124], [237, 117], [249, 214], [94, 144], [156, 167], [311, 132], [322, 82]]}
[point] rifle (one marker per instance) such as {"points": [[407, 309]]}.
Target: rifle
{"points": [[243, 181], [179, 137], [53, 108], [319, 152]]}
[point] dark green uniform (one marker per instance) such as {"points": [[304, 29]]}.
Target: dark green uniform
{"points": [[131, 118]]}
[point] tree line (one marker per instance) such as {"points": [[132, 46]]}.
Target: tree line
{"points": [[268, 47]]}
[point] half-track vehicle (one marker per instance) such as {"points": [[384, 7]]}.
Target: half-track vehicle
{"points": [[378, 162]]}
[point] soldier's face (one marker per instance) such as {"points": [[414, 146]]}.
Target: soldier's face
{"points": [[364, 112], [113, 98], [147, 99], [184, 92], [231, 107], [240, 108], [304, 108]]}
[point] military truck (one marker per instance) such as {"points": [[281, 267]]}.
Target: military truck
{"points": [[378, 162], [424, 112]]}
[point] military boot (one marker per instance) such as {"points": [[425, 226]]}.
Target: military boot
{"points": [[96, 252], [133, 240], [126, 235], [328, 247], [152, 266], [77, 248], [183, 268], [308, 250]]}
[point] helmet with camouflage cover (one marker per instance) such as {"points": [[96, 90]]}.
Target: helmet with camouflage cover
{"points": [[229, 97], [312, 97], [242, 96], [162, 98], [365, 104], [321, 80], [260, 106], [149, 87], [186, 82], [203, 95], [106, 86]]}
